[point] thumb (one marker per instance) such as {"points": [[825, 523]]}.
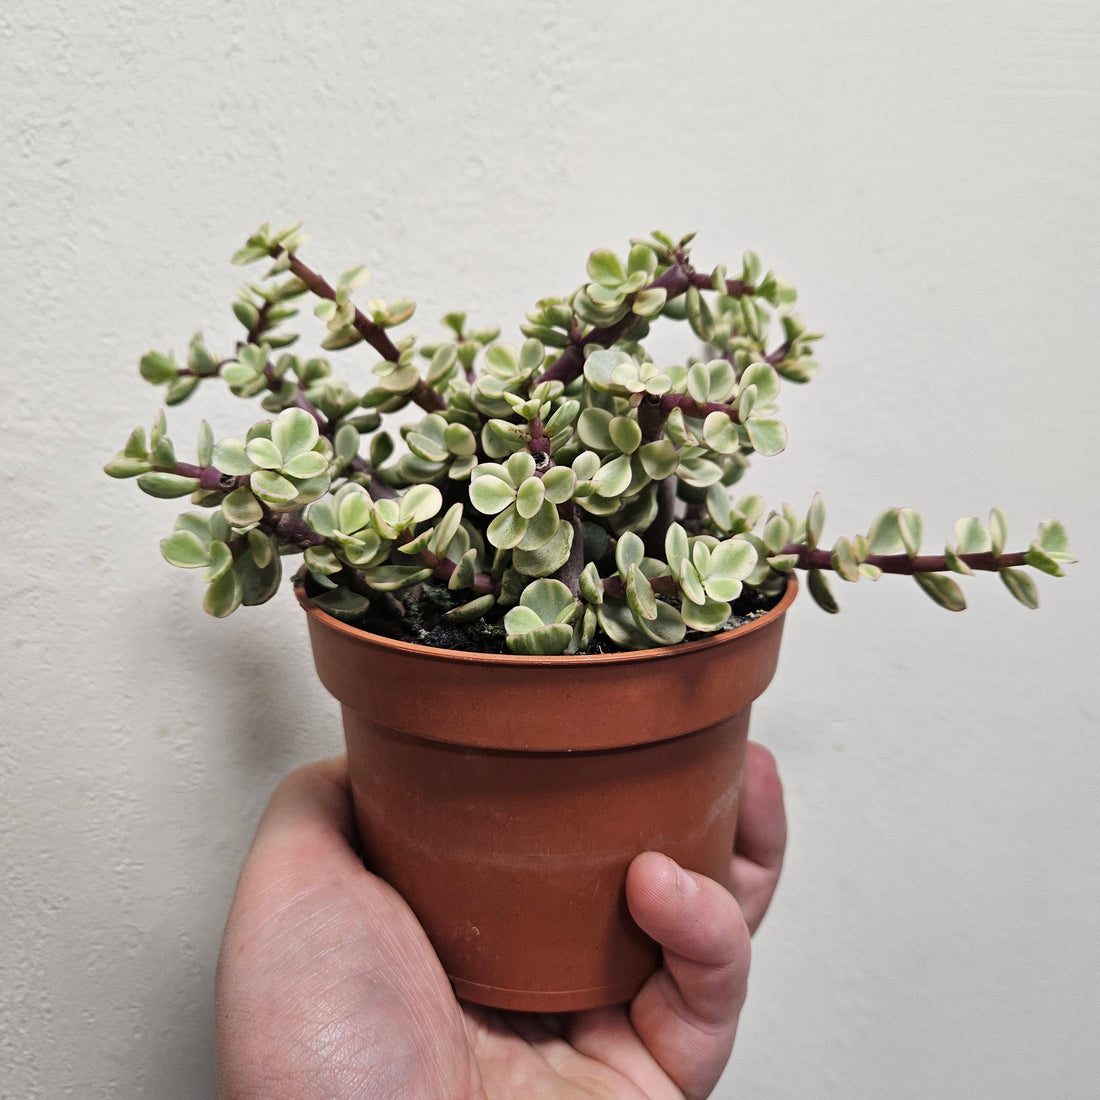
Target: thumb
{"points": [[687, 1013]]}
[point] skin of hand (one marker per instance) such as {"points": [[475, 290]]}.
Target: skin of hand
{"points": [[328, 988]]}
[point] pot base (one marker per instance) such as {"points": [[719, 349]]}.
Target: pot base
{"points": [[546, 1000]]}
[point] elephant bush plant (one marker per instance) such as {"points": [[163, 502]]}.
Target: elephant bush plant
{"points": [[567, 495]]}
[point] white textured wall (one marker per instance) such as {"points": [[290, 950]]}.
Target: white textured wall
{"points": [[926, 174]]}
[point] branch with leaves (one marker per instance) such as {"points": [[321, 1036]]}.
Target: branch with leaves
{"points": [[564, 494]]}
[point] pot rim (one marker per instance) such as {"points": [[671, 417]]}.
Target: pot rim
{"points": [[562, 661]]}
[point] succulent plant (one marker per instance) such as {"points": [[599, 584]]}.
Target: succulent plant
{"points": [[562, 495]]}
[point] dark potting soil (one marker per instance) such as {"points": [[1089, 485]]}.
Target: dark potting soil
{"points": [[421, 621]]}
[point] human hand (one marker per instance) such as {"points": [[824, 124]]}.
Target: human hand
{"points": [[328, 987]]}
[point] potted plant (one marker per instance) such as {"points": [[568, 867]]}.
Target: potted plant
{"points": [[547, 615]]}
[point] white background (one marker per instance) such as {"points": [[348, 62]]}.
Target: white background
{"points": [[927, 175]]}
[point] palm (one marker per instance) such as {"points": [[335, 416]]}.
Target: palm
{"points": [[328, 987]]}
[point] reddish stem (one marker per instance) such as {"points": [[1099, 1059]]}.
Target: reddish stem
{"points": [[904, 565], [373, 333]]}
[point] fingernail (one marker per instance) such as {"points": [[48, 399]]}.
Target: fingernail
{"points": [[686, 883]]}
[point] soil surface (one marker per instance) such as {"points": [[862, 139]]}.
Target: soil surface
{"points": [[421, 622]]}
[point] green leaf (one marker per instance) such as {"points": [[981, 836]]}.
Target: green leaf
{"points": [[158, 368], [649, 302], [955, 563], [885, 534], [708, 616], [465, 571], [1053, 538], [600, 365], [221, 559], [677, 547], [224, 596], [322, 561], [942, 590], [547, 641], [1037, 558], [136, 447], [352, 512], [691, 584], [541, 527], [489, 494], [618, 622], [230, 457], [262, 547], [667, 629], [420, 504], [594, 429], [180, 390], [308, 465], [629, 551], [971, 536], [459, 439], [699, 315], [559, 483], [844, 560], [469, 612], [198, 523], [910, 527], [507, 529], [815, 521], [205, 445], [529, 497], [777, 533], [294, 432], [368, 548], [342, 603], [721, 434], [390, 578], [625, 434], [167, 486], [248, 315], [733, 558], [258, 582], [522, 620], [605, 268], [613, 477], [591, 584], [164, 453], [768, 436], [381, 448], [400, 380], [520, 467], [764, 378], [322, 518], [121, 466], [241, 508], [821, 593], [659, 459], [639, 594], [446, 529], [185, 549], [550, 600], [1021, 586], [998, 531], [564, 416], [273, 488], [160, 426], [264, 454]]}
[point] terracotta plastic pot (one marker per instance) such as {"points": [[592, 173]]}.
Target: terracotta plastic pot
{"points": [[504, 797]]}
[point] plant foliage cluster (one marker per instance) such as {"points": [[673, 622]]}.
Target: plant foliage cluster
{"points": [[569, 487]]}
